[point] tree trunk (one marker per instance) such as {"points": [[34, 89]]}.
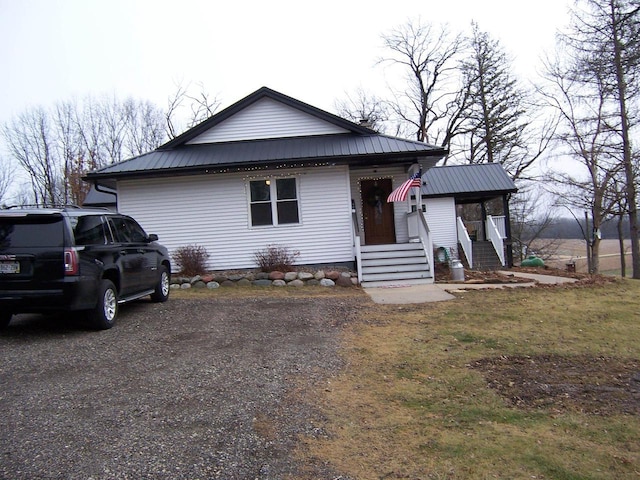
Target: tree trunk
{"points": [[626, 145], [623, 260]]}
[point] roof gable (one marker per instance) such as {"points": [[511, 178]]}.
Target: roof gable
{"points": [[269, 114], [293, 135], [267, 118]]}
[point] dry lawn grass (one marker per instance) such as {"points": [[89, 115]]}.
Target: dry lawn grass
{"points": [[414, 403]]}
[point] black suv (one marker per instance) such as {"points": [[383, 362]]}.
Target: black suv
{"points": [[77, 259]]}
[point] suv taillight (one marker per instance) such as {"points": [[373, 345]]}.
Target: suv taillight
{"points": [[71, 264]]}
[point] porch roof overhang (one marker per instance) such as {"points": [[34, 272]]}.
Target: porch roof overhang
{"points": [[468, 183], [293, 152]]}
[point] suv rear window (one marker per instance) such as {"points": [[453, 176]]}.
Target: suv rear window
{"points": [[32, 231], [89, 230]]}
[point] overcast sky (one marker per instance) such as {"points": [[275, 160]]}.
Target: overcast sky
{"points": [[52, 50]]}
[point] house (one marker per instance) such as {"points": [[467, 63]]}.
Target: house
{"points": [[272, 170], [102, 198], [480, 238]]}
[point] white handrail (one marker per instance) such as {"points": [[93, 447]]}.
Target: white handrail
{"points": [[356, 245], [500, 223], [496, 238], [419, 229], [465, 241]]}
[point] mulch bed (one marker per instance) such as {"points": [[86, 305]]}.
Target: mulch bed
{"points": [[443, 275]]}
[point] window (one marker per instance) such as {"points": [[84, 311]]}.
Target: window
{"points": [[128, 231], [274, 201], [90, 231]]}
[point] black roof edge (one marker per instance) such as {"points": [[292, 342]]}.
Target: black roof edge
{"points": [[252, 98], [108, 179], [472, 195]]}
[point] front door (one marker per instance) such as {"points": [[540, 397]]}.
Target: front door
{"points": [[377, 214]]}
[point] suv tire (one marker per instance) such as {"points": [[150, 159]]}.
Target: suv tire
{"points": [[161, 293], [5, 318], [103, 316]]}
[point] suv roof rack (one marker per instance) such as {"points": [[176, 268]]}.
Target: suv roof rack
{"points": [[66, 206]]}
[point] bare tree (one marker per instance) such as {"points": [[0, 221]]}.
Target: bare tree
{"points": [[7, 176], [57, 147], [428, 55], [586, 134], [603, 44], [595, 120], [530, 223], [364, 108], [201, 106], [32, 143]]}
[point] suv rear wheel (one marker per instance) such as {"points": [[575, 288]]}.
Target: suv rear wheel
{"points": [[161, 293], [103, 316]]}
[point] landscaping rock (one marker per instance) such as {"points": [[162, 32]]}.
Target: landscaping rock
{"points": [[276, 275], [276, 278], [344, 281], [290, 276], [333, 275]]}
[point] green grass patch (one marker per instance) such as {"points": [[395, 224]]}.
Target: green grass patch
{"points": [[412, 402]]}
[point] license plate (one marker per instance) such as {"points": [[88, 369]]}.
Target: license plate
{"points": [[9, 267]]}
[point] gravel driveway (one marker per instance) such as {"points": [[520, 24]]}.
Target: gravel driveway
{"points": [[189, 389]]}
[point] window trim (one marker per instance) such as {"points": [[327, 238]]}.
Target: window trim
{"points": [[273, 200]]}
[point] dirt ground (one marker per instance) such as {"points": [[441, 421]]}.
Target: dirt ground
{"points": [[588, 384], [192, 388], [593, 385]]}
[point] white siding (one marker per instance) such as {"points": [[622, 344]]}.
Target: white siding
{"points": [[213, 211], [441, 218], [267, 118], [398, 175]]}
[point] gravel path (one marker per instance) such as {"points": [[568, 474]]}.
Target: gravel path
{"points": [[188, 389]]}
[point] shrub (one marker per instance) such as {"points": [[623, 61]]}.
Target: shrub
{"points": [[191, 258], [275, 257]]}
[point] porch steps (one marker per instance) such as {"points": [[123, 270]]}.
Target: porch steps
{"points": [[485, 256], [394, 264]]}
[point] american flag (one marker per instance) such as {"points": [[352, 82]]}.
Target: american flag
{"points": [[400, 193]]}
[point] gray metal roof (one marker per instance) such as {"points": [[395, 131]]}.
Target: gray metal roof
{"points": [[467, 181], [353, 149], [361, 146]]}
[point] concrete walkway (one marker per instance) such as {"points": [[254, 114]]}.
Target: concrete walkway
{"points": [[437, 292]]}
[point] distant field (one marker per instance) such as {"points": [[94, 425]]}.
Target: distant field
{"points": [[574, 250]]}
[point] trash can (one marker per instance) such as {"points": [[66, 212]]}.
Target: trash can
{"points": [[457, 271]]}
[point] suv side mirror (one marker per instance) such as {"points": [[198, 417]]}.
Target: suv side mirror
{"points": [[152, 238]]}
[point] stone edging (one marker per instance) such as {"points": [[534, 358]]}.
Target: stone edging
{"points": [[262, 279]]}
